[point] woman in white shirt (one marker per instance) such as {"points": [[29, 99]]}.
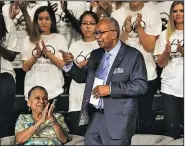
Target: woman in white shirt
{"points": [[8, 40], [40, 54], [81, 51], [170, 54]]}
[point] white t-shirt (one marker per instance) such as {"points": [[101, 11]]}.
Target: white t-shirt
{"points": [[44, 72], [172, 74], [77, 8], [21, 26], [80, 50], [10, 44], [152, 26], [163, 8]]}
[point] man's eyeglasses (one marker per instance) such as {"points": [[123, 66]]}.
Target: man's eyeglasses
{"points": [[90, 23], [100, 33]]}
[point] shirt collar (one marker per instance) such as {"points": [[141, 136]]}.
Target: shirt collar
{"points": [[115, 50]]}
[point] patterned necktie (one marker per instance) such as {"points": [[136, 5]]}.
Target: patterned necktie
{"points": [[104, 66]]}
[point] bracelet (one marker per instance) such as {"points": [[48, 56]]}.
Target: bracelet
{"points": [[36, 126], [54, 122]]}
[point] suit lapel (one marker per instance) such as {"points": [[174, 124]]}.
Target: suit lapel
{"points": [[116, 62]]}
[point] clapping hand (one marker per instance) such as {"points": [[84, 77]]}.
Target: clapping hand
{"points": [[138, 21], [38, 51], [128, 24], [50, 113], [167, 48], [44, 114], [180, 48], [44, 49]]}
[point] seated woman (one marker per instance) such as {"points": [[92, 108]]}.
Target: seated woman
{"points": [[42, 127]]}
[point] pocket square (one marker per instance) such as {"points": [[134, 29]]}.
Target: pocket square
{"points": [[118, 70]]}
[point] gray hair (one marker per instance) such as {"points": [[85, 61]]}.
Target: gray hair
{"points": [[113, 22]]}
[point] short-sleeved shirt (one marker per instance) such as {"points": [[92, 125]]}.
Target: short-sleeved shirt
{"points": [[10, 44], [152, 24], [172, 74], [45, 135], [44, 72]]}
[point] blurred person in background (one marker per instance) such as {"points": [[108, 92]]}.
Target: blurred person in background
{"points": [[40, 54], [81, 51], [169, 50], [8, 51], [140, 27]]}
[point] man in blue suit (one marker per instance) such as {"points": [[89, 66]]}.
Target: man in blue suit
{"points": [[124, 78]]}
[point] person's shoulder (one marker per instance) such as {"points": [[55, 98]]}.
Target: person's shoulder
{"points": [[57, 36], [118, 11], [130, 49], [24, 116], [149, 10]]}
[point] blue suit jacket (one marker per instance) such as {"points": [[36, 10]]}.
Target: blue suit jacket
{"points": [[120, 107]]}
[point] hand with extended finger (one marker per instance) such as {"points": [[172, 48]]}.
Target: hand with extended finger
{"points": [[53, 6], [101, 90], [38, 51], [67, 57]]}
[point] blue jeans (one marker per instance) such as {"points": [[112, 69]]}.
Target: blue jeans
{"points": [[7, 95]]}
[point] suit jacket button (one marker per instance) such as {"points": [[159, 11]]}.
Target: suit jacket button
{"points": [[86, 100]]}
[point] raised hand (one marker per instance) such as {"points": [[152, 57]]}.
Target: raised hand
{"points": [[105, 6], [54, 6], [14, 9], [180, 48], [63, 5], [138, 21], [44, 114], [23, 5], [168, 47], [50, 113], [128, 24], [67, 57], [44, 49]]}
